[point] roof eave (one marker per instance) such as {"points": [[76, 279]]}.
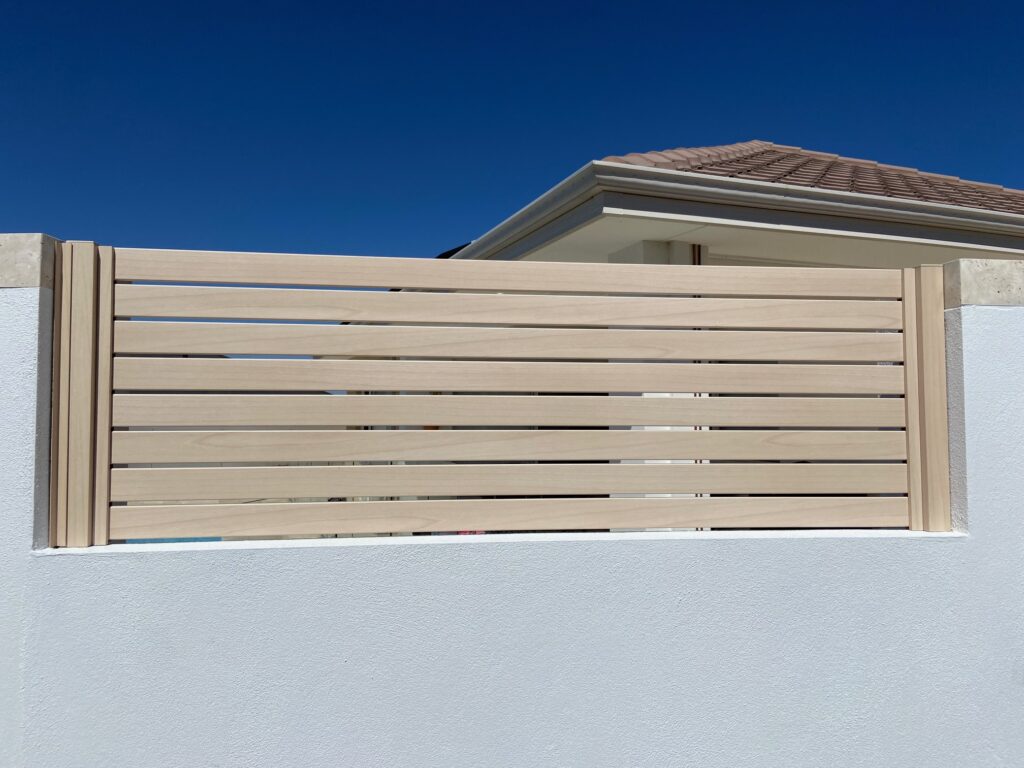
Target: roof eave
{"points": [[603, 176]]}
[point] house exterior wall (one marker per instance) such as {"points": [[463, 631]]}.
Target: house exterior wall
{"points": [[644, 649]]}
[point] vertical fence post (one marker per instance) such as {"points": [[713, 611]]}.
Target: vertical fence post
{"points": [[81, 400], [60, 382], [82, 388], [104, 394], [927, 429], [911, 370], [933, 397]]}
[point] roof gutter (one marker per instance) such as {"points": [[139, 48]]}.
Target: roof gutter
{"points": [[601, 176]]}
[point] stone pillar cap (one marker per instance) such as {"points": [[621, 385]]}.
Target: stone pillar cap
{"points": [[26, 260], [992, 282]]}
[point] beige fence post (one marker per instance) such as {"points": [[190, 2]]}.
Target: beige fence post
{"points": [[61, 393], [104, 393], [81, 403], [932, 393], [83, 327], [911, 370]]}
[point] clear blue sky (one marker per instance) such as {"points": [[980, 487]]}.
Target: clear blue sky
{"points": [[408, 128]]}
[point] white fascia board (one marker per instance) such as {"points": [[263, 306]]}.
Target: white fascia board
{"points": [[600, 176], [766, 194], [563, 197]]}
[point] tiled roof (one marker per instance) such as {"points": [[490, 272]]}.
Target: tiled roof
{"points": [[765, 161]]}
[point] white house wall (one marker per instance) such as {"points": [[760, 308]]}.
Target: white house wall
{"points": [[717, 650]]}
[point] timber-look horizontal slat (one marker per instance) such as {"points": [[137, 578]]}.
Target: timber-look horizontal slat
{"points": [[203, 410], [198, 374], [355, 271], [503, 309], [502, 445], [500, 343], [305, 519], [223, 483]]}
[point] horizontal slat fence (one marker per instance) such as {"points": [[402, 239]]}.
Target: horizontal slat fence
{"points": [[292, 395]]}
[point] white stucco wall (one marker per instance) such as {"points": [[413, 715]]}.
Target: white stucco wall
{"points": [[721, 651], [24, 380]]}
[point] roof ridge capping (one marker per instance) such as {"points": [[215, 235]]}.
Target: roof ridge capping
{"points": [[683, 158], [765, 161]]}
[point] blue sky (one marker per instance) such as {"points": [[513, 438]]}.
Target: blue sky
{"points": [[408, 128]]}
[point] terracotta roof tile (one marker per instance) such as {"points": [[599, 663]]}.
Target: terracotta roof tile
{"points": [[765, 161]]}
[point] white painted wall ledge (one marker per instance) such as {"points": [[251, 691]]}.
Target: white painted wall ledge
{"points": [[498, 538]]}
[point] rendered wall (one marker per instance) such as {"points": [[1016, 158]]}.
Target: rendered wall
{"points": [[713, 650], [25, 309]]}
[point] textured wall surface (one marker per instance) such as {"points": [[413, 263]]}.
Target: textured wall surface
{"points": [[720, 651], [24, 426]]}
